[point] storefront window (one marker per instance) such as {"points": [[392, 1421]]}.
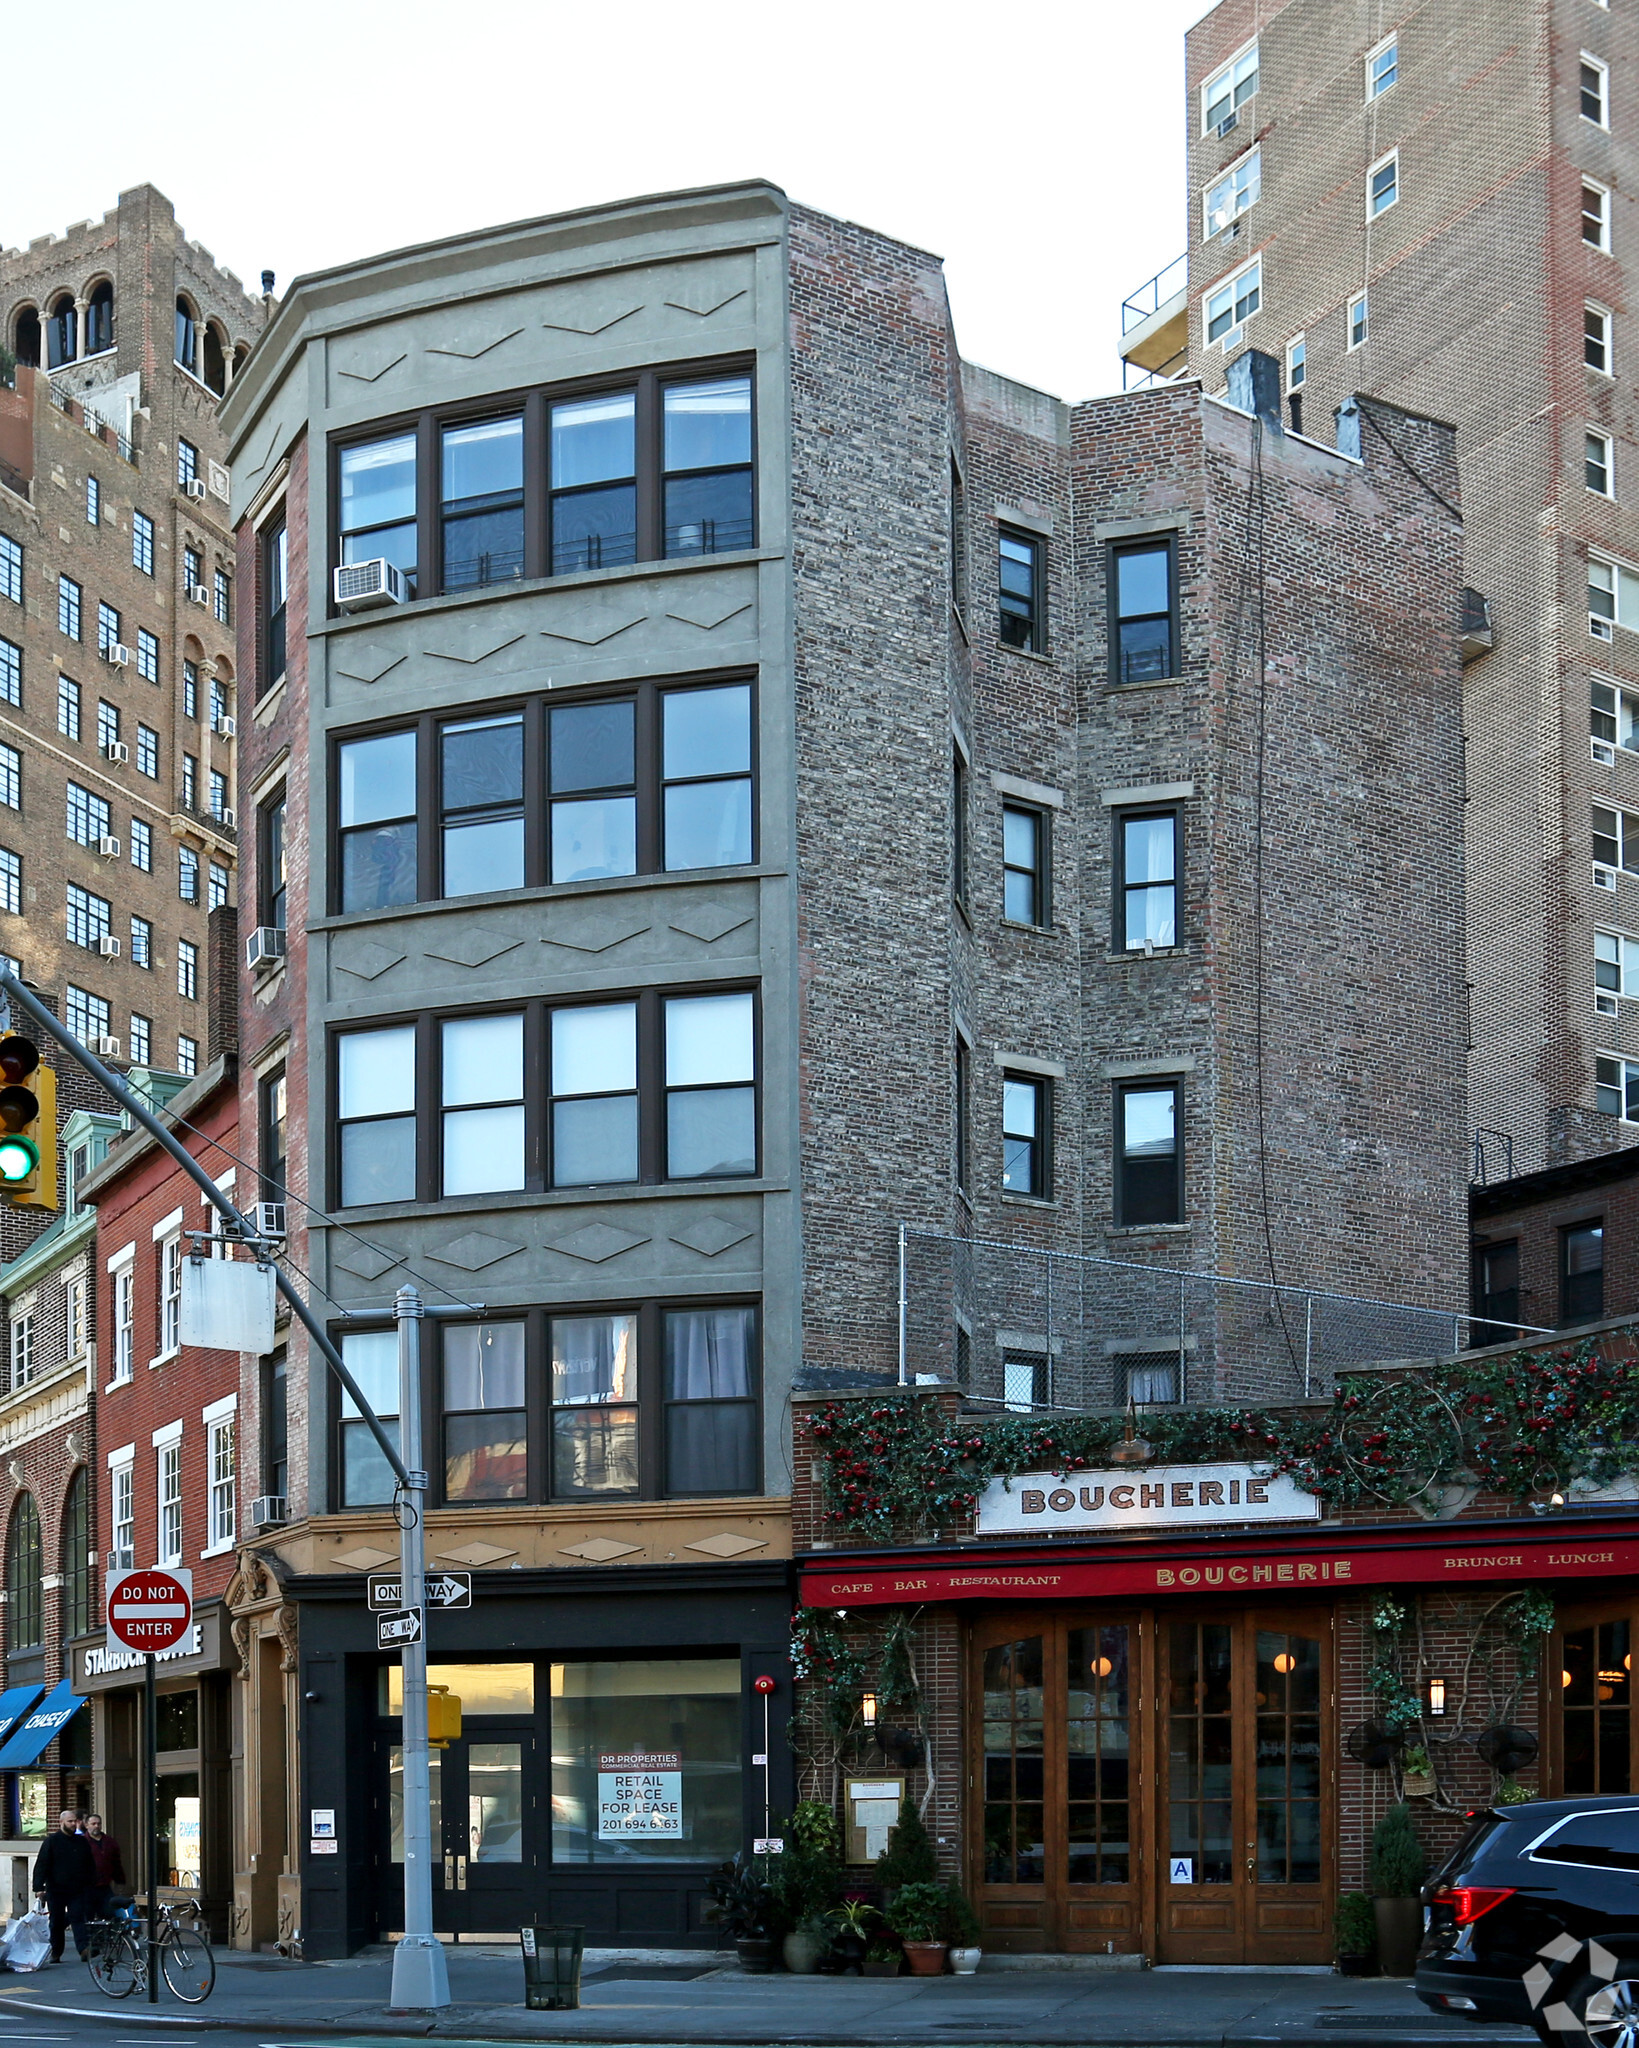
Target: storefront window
{"points": [[32, 1818], [1013, 1784], [176, 1720], [495, 1802], [481, 1688], [1595, 1689], [395, 1798], [179, 1829], [646, 1761]]}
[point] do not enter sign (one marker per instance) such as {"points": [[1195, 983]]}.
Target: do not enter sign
{"points": [[150, 1610]]}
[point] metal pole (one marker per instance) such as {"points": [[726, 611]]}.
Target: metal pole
{"points": [[903, 1380], [420, 1976], [1308, 1343], [150, 1804]]}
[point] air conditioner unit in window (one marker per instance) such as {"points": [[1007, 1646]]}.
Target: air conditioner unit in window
{"points": [[116, 655], [1603, 752], [116, 750], [1603, 877], [265, 947], [269, 1219], [122, 1560], [108, 946], [361, 586], [1605, 1004], [195, 489], [109, 848], [228, 817], [227, 726], [267, 1510], [1601, 629], [105, 1048], [1227, 125], [196, 593]]}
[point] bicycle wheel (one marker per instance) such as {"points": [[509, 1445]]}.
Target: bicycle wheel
{"points": [[114, 1962], [189, 1966]]}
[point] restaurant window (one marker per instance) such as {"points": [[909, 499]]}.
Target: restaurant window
{"points": [[1582, 1273], [1595, 1689]]}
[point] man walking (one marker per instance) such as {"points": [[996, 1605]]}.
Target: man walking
{"points": [[65, 1872], [108, 1864]]}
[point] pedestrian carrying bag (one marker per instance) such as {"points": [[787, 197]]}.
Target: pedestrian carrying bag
{"points": [[28, 1942]]}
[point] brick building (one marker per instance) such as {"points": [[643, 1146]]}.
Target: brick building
{"points": [[783, 784], [1556, 1248], [1436, 206]]}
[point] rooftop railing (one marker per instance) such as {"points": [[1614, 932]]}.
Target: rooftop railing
{"points": [[1153, 295]]}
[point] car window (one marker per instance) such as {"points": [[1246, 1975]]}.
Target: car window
{"points": [[1483, 1831], [1608, 1841]]}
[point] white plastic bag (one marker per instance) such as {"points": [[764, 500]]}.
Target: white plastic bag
{"points": [[28, 1943]]}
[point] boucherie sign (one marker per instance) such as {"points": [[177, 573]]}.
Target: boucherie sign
{"points": [[1154, 1497]]}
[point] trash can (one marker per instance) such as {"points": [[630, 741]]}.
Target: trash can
{"points": [[552, 1959]]}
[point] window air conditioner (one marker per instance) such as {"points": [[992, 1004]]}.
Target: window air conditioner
{"points": [[106, 1048], [1605, 1004], [1603, 877], [227, 817], [228, 727], [269, 1219], [268, 1510], [116, 750], [265, 947], [109, 848], [196, 593], [361, 586], [1601, 629], [121, 1560], [1603, 752], [195, 488], [108, 946], [116, 655], [1226, 125]]}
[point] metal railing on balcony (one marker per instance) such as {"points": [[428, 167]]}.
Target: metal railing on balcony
{"points": [[93, 422], [1031, 1329], [1150, 297]]}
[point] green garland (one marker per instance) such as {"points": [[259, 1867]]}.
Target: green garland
{"points": [[1526, 1426]]}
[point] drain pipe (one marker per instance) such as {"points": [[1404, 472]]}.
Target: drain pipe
{"points": [[903, 1380]]}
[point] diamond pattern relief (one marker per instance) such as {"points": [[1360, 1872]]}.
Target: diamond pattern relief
{"points": [[471, 355], [474, 948], [599, 1549], [726, 1544], [711, 922], [595, 1242], [588, 629], [367, 662], [610, 935], [709, 1235], [705, 312], [475, 1251], [364, 1559], [599, 327], [472, 660], [366, 959], [475, 1553], [368, 1261], [713, 616], [363, 376]]}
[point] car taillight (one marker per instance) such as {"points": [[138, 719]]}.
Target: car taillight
{"points": [[1469, 1901]]}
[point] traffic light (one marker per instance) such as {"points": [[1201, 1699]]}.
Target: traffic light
{"points": [[28, 1126], [443, 1716]]}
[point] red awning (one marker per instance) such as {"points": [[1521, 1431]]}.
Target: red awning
{"points": [[1365, 1555]]}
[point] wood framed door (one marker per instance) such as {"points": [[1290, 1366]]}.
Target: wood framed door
{"points": [[1243, 1870], [1589, 1727]]}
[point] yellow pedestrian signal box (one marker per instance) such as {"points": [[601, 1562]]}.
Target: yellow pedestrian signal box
{"points": [[28, 1126], [443, 1716]]}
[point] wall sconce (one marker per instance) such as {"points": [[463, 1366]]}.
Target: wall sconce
{"points": [[1436, 1696], [867, 1709]]}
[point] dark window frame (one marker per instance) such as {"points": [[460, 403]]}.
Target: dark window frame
{"points": [[25, 1576], [1036, 640], [1042, 873], [1041, 1177], [962, 1125], [78, 1608], [275, 1435], [273, 623], [1496, 1309], [1577, 1302], [272, 903], [1138, 544], [1140, 1084], [647, 693], [536, 1011], [534, 403], [1121, 816], [273, 1133], [652, 1402]]}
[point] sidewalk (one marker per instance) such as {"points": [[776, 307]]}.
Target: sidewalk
{"points": [[707, 1999]]}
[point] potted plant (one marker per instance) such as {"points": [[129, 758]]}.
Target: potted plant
{"points": [[1398, 1869], [742, 1905], [883, 1958], [909, 1857], [806, 1884], [1512, 1793], [961, 1931], [1356, 1935], [1416, 1773], [853, 1921], [808, 1943], [917, 1916]]}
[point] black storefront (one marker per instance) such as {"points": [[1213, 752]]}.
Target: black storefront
{"points": [[565, 1678]]}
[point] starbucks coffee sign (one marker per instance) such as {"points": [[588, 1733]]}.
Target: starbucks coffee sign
{"points": [[1148, 1497]]}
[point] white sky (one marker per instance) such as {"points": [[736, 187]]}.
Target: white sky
{"points": [[1038, 149]]}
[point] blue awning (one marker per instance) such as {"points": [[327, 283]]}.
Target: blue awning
{"points": [[13, 1703], [49, 1719]]}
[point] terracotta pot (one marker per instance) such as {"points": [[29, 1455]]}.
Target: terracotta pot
{"points": [[926, 1958], [756, 1953], [1399, 1934]]}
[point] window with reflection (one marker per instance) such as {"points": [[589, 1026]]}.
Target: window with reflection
{"points": [[594, 1405], [1287, 1735], [371, 1356], [1200, 1749], [711, 1414], [1098, 1754], [486, 1432], [481, 772], [375, 1107], [1014, 1781], [377, 503], [591, 774], [594, 1094], [1149, 1157], [711, 1102], [706, 776], [483, 502], [707, 465], [376, 808], [1143, 640], [1595, 1686], [593, 460], [481, 1065], [1147, 865]]}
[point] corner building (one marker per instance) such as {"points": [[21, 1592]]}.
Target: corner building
{"points": [[731, 779]]}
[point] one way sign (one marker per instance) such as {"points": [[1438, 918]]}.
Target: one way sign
{"points": [[444, 1589], [396, 1631]]}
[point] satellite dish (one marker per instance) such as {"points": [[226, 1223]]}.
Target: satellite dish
{"points": [[1372, 1745], [1508, 1748]]}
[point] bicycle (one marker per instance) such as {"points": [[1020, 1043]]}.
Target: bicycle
{"points": [[117, 1954]]}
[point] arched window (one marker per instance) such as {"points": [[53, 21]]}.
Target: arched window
{"points": [[216, 364], [25, 1593], [241, 356], [187, 337], [60, 332], [99, 320], [26, 336], [76, 1564]]}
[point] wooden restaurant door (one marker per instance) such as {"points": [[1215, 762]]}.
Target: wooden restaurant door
{"points": [[1156, 1782]]}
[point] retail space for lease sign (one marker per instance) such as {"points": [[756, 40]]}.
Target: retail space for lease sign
{"points": [[1151, 1497], [640, 1794]]}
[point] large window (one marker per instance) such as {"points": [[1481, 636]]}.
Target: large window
{"points": [[1149, 1154], [87, 816], [656, 779], [639, 469], [645, 1088], [486, 1428], [1146, 852], [25, 1585], [76, 1557], [1143, 629], [1228, 90]]}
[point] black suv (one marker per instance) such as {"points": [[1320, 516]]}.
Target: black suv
{"points": [[1534, 1918]]}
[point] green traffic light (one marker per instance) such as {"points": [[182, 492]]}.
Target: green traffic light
{"points": [[19, 1157]]}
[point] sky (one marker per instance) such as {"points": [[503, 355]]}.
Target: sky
{"points": [[1039, 152]]}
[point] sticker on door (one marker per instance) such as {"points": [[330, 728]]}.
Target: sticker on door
{"points": [[1182, 1871]]}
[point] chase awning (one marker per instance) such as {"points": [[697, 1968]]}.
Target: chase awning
{"points": [[13, 1705], [48, 1719]]}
